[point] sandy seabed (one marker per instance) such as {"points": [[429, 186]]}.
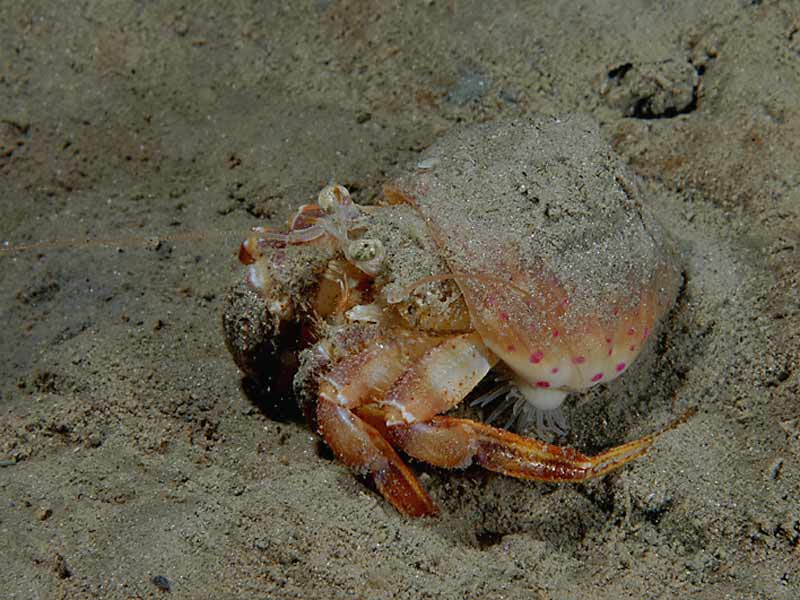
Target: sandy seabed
{"points": [[132, 460]]}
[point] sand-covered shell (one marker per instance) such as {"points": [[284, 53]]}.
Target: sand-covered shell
{"points": [[564, 270]]}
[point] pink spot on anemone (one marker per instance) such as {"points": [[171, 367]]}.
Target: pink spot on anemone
{"points": [[537, 357], [543, 384], [620, 367], [597, 377], [579, 360], [554, 370]]}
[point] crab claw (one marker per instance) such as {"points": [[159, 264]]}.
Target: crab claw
{"points": [[263, 345]]}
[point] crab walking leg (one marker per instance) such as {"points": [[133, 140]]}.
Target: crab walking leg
{"points": [[438, 381], [363, 449], [456, 443], [354, 380], [424, 375]]}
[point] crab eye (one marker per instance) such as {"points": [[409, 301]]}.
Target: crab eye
{"points": [[332, 196], [367, 254]]}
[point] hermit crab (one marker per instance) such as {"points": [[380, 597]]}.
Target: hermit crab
{"points": [[517, 252]]}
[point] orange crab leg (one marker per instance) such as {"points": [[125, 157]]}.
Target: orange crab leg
{"points": [[363, 449], [353, 381], [358, 377], [456, 443], [413, 377], [438, 380]]}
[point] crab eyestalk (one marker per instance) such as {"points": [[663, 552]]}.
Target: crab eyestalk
{"points": [[366, 254], [332, 196]]}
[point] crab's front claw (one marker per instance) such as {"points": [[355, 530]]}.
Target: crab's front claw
{"points": [[263, 317], [263, 344]]}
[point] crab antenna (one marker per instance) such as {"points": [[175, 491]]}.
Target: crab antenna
{"points": [[9, 248]]}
